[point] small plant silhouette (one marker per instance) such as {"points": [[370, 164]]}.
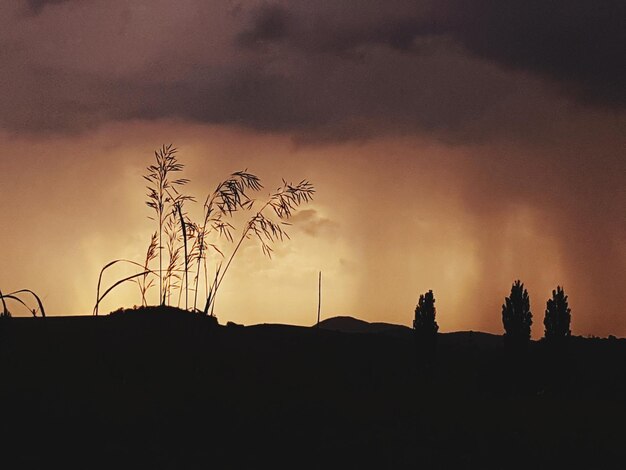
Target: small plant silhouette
{"points": [[517, 317], [184, 244], [132, 277], [228, 197], [265, 228], [165, 198], [17, 297], [143, 282], [558, 317]]}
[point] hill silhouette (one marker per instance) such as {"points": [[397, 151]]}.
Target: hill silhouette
{"points": [[347, 324], [182, 391]]}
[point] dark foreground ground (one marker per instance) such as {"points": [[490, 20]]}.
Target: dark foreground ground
{"points": [[179, 392]]}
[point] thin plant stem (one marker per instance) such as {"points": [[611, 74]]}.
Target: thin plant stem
{"points": [[129, 278], [283, 202], [184, 230], [108, 265], [13, 295], [5, 310], [218, 281]]}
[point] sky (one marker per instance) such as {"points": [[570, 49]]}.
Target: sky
{"points": [[453, 145]]}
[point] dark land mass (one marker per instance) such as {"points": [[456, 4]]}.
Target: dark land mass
{"points": [[182, 392]]}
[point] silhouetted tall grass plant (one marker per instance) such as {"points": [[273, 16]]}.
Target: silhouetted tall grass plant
{"points": [[228, 197], [163, 198], [266, 229], [185, 245]]}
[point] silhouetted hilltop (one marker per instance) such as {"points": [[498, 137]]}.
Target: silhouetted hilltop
{"points": [[347, 324]]}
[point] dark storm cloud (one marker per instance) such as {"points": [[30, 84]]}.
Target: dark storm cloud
{"points": [[37, 5], [322, 70], [357, 99], [270, 24], [577, 43], [334, 30]]}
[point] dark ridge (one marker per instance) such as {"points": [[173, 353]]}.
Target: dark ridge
{"points": [[348, 324], [182, 391]]}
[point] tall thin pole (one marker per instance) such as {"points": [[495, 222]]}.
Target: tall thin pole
{"points": [[319, 297]]}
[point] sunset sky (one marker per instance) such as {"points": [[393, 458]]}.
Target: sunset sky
{"points": [[455, 145]]}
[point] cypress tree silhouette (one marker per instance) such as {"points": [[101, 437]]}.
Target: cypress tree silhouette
{"points": [[425, 328], [558, 317], [517, 317], [424, 323]]}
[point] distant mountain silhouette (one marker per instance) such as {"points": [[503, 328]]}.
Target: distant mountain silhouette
{"points": [[347, 324], [354, 325]]}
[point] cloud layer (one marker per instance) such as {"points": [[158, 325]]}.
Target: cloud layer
{"points": [[321, 69], [576, 43]]}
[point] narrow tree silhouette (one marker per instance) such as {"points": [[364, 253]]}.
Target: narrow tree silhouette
{"points": [[558, 317], [425, 327], [557, 333], [517, 317]]}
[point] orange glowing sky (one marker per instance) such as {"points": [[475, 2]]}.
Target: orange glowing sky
{"points": [[439, 163]]}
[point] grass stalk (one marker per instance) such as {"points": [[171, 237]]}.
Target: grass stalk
{"points": [[5, 310], [108, 265], [183, 228], [286, 199], [121, 281], [14, 296], [160, 190]]}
